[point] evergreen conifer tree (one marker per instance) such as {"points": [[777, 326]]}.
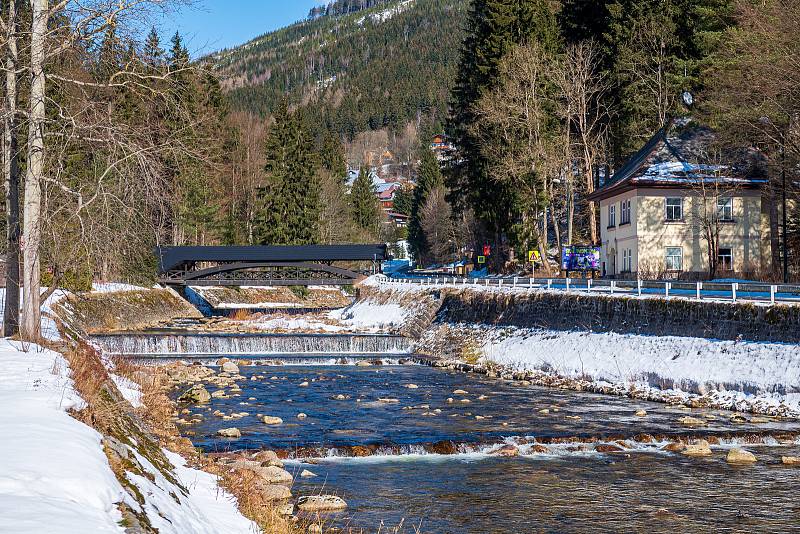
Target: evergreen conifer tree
{"points": [[290, 202], [364, 204]]}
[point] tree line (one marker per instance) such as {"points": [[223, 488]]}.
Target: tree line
{"points": [[552, 97]]}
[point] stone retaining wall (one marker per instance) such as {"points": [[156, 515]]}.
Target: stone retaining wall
{"points": [[625, 315]]}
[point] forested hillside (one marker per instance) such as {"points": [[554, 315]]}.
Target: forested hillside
{"points": [[381, 67]]}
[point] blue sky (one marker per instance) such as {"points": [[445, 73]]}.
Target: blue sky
{"points": [[210, 25]]}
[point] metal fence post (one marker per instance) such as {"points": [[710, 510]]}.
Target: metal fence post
{"points": [[549, 283], [772, 290], [567, 279], [639, 286], [530, 283], [699, 290], [515, 281], [589, 285], [734, 287], [613, 286], [667, 286]]}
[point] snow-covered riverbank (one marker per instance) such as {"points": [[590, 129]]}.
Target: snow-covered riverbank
{"points": [[55, 476]]}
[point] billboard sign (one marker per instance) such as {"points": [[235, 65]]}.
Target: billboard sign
{"points": [[580, 258]]}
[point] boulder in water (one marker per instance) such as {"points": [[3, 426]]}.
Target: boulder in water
{"points": [[460, 392], [320, 503], [273, 474], [230, 367], [640, 413], [305, 473], [285, 509], [691, 421], [697, 448], [412, 386], [229, 432], [538, 448], [273, 492], [301, 415], [740, 456], [607, 447], [790, 460], [196, 394], [270, 420], [506, 450]]}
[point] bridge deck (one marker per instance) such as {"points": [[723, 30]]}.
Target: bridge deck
{"points": [[263, 265]]}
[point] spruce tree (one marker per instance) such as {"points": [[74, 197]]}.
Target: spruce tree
{"points": [[289, 211], [366, 213], [429, 177], [494, 27], [332, 157]]}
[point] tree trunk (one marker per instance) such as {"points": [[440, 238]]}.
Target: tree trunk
{"points": [[31, 313], [774, 237], [11, 172]]}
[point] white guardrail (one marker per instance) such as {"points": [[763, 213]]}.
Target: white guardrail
{"points": [[727, 291]]}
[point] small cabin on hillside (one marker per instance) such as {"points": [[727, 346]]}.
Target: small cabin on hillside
{"points": [[675, 211]]}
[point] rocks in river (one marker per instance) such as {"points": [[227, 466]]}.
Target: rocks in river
{"points": [[273, 474], [272, 492], [340, 397], [197, 393], [450, 399], [321, 503], [460, 392], [544, 411], [307, 474], [573, 417], [267, 458], [790, 460], [270, 420], [640, 413], [674, 447], [442, 447], [360, 451], [691, 421], [363, 363], [387, 400], [232, 432], [411, 386], [219, 394], [230, 367], [302, 385], [465, 400], [738, 418], [483, 397], [506, 450], [607, 447], [740, 456], [697, 448], [538, 448], [301, 415], [759, 420]]}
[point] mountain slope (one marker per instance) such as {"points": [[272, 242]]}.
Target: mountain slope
{"points": [[377, 68]]}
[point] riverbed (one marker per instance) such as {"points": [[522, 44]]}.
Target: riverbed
{"points": [[416, 446]]}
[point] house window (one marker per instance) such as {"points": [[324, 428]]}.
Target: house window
{"points": [[725, 209], [625, 212], [674, 209], [725, 259], [674, 259], [627, 260], [612, 216]]}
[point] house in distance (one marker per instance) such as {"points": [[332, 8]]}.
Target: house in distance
{"points": [[677, 210]]}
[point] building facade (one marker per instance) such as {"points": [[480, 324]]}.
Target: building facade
{"points": [[669, 213]]}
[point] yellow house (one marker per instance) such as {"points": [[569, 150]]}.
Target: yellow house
{"points": [[672, 211]]}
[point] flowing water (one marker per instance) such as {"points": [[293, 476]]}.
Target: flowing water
{"points": [[422, 456]]}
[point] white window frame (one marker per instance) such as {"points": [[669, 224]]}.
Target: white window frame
{"points": [[612, 215], [669, 259], [625, 212], [725, 209], [671, 208], [720, 263], [627, 262]]}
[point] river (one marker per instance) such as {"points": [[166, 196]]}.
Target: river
{"points": [[430, 434]]}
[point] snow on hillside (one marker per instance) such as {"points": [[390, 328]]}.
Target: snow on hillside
{"points": [[734, 372], [55, 477], [386, 14]]}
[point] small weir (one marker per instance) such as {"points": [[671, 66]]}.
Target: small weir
{"points": [[175, 343]]}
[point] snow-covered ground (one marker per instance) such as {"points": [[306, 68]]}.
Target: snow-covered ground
{"points": [[55, 477], [371, 317], [735, 372]]}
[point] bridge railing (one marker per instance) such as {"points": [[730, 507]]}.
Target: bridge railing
{"points": [[713, 291]]}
